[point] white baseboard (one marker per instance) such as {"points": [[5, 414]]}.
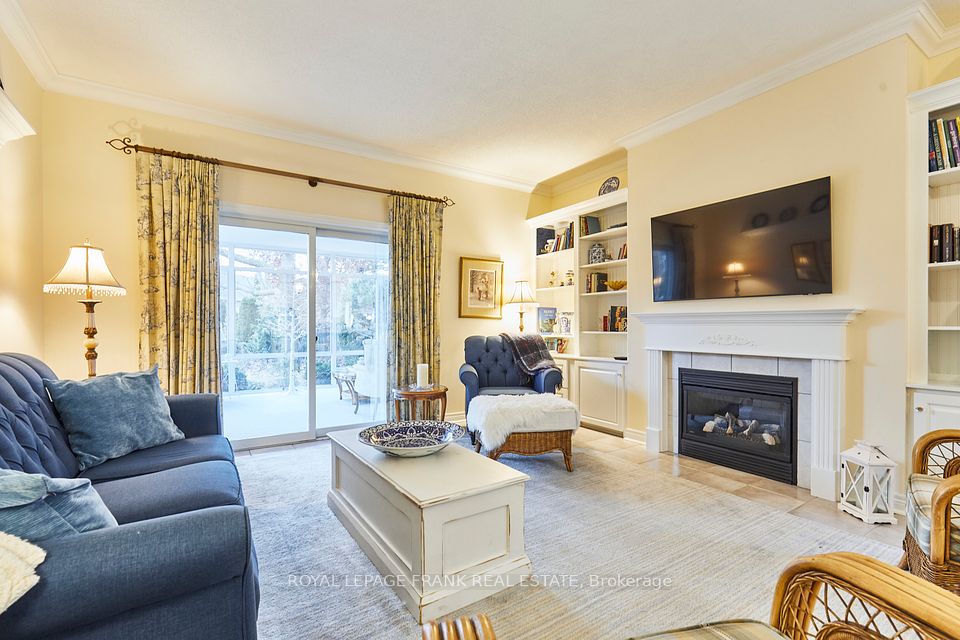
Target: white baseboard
{"points": [[457, 417], [636, 435]]}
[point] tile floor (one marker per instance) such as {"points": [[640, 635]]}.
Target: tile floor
{"points": [[774, 494]]}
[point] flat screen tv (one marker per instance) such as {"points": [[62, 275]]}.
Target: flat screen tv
{"points": [[774, 243]]}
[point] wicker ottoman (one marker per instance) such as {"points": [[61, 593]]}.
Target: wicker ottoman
{"points": [[528, 425]]}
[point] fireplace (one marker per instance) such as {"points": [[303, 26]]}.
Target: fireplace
{"points": [[742, 421]]}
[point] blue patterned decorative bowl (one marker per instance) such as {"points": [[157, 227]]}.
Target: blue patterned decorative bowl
{"points": [[411, 439]]}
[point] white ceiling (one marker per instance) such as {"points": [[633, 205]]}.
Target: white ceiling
{"points": [[523, 89]]}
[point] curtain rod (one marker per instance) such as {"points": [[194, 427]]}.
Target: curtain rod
{"points": [[127, 147]]}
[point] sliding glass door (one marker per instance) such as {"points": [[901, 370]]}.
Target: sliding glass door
{"points": [[303, 331], [352, 299], [266, 315]]}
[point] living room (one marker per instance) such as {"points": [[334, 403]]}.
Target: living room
{"points": [[378, 177]]}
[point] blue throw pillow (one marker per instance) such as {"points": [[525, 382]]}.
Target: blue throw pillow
{"points": [[109, 416], [35, 507]]}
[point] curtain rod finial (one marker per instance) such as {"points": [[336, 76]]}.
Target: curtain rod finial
{"points": [[124, 145]]}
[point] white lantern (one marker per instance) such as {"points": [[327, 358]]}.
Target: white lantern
{"points": [[866, 483]]}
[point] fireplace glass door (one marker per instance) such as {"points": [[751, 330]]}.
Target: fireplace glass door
{"points": [[743, 421]]}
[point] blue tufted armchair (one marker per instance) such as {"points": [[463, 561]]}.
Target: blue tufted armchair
{"points": [[490, 369]]}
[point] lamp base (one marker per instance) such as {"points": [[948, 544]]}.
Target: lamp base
{"points": [[521, 322], [90, 344]]}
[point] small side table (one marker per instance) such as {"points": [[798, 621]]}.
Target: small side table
{"points": [[424, 396]]}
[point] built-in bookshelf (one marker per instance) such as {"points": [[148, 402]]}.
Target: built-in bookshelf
{"points": [[934, 254], [571, 287], [577, 250]]}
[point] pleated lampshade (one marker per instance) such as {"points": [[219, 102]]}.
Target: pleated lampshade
{"points": [[85, 272]]}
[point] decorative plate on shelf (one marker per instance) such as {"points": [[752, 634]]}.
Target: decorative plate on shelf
{"points": [[412, 438], [609, 185]]}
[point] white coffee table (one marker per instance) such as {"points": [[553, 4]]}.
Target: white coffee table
{"points": [[445, 530]]}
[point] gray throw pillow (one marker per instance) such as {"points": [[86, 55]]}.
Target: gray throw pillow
{"points": [[111, 415], [35, 507]]}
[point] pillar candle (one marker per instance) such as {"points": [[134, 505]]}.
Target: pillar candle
{"points": [[423, 375]]}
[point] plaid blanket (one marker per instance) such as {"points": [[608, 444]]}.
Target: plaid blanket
{"points": [[530, 352]]}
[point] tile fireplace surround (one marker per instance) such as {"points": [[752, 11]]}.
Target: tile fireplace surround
{"points": [[810, 345]]}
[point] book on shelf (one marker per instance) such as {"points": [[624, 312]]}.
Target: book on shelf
{"points": [[937, 151], [944, 243], [545, 237], [617, 319], [953, 140], [556, 345], [589, 225], [931, 150], [550, 239], [622, 253], [596, 282], [942, 135], [546, 319], [943, 144]]}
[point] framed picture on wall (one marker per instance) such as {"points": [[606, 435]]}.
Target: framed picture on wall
{"points": [[481, 288]]}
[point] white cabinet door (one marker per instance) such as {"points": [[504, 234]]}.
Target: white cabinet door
{"points": [[935, 410], [601, 394]]}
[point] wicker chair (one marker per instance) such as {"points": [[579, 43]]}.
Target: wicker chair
{"points": [[932, 542], [476, 628], [835, 596]]}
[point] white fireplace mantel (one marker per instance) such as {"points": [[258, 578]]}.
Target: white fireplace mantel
{"points": [[807, 333], [817, 335]]}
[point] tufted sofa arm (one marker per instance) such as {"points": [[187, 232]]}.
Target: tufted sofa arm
{"points": [[547, 381], [471, 382]]}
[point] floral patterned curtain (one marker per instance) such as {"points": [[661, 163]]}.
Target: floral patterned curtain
{"points": [[416, 228], [178, 209]]}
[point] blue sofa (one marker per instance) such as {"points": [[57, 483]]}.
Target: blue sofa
{"points": [[490, 369], [180, 565]]}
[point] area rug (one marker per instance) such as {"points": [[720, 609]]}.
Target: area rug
{"points": [[618, 549]]}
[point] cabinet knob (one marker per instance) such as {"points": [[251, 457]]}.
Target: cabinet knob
{"points": [[919, 409]]}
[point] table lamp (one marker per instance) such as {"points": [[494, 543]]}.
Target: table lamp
{"points": [[86, 273], [521, 295]]}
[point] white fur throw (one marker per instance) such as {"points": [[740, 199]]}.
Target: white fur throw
{"points": [[496, 417], [18, 562]]}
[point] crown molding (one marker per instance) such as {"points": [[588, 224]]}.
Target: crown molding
{"points": [[13, 126], [920, 23], [25, 41]]}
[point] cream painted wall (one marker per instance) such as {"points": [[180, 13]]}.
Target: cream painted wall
{"points": [[90, 193], [21, 209], [941, 68], [847, 121]]}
